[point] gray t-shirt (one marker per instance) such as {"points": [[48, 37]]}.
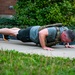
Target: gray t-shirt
{"points": [[34, 36]]}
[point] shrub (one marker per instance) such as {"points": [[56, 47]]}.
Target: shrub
{"points": [[6, 22], [41, 12]]}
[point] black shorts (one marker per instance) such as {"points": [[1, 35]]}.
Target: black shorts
{"points": [[24, 35]]}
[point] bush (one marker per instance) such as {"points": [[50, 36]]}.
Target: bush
{"points": [[41, 12], [5, 22]]}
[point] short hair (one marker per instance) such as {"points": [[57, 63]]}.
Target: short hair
{"points": [[71, 34]]}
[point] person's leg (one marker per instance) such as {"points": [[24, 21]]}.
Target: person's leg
{"points": [[11, 31], [15, 28]]}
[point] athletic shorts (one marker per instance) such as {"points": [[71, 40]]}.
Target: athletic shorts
{"points": [[24, 35]]}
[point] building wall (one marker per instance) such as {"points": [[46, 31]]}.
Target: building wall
{"points": [[6, 7]]}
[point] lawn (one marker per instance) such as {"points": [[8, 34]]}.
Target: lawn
{"points": [[16, 63]]}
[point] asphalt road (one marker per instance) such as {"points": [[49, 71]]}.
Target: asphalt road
{"points": [[29, 47]]}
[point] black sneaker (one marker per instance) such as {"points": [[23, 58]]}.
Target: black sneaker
{"points": [[5, 37]]}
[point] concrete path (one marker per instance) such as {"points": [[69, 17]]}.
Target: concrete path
{"points": [[59, 50]]}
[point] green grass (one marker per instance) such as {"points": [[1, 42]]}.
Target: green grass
{"points": [[15, 63]]}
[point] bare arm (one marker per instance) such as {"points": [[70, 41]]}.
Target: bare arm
{"points": [[42, 37]]}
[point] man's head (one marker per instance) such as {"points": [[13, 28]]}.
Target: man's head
{"points": [[67, 36]]}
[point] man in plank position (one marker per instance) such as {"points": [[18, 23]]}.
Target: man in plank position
{"points": [[45, 37]]}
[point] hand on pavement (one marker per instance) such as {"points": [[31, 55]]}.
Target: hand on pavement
{"points": [[69, 46], [48, 48]]}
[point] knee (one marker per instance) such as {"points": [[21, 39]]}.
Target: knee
{"points": [[11, 32]]}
